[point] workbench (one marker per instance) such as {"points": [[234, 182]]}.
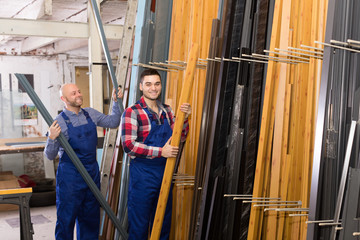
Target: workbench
{"points": [[20, 197], [22, 145]]}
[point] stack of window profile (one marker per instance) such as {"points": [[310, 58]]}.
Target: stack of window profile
{"points": [[338, 107]]}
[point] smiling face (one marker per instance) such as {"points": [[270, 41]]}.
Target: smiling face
{"points": [[151, 87], [71, 96]]}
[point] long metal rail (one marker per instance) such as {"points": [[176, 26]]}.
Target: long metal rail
{"points": [[344, 176], [74, 158], [106, 50], [320, 120]]}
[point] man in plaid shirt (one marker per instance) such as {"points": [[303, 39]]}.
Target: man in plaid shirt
{"points": [[146, 129]]}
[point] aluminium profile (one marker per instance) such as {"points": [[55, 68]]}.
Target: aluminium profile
{"points": [[106, 51], [320, 121]]}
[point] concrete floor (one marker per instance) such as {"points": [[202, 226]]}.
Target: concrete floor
{"points": [[42, 218]]}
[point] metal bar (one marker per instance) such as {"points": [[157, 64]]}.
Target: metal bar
{"points": [[332, 41], [280, 204], [329, 224], [344, 176], [298, 215], [182, 175], [299, 49], [269, 59], [124, 186], [352, 199], [235, 143], [236, 59], [320, 120], [336, 46], [303, 54], [176, 62], [279, 58], [185, 184], [74, 158], [157, 68], [249, 198], [237, 195], [201, 66], [271, 201], [292, 209], [230, 60], [344, 43], [248, 60], [214, 59], [202, 59], [106, 51], [310, 47], [182, 63], [183, 181], [287, 209], [319, 221], [284, 54], [167, 65], [353, 42]]}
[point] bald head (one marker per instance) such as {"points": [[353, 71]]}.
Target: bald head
{"points": [[65, 88], [71, 95]]}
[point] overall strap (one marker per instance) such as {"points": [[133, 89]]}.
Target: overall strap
{"points": [[85, 113], [151, 117], [88, 118], [66, 118]]}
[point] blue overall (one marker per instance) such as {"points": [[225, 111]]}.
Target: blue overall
{"points": [[74, 199], [144, 186]]}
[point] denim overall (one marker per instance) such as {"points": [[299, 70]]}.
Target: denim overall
{"points": [[74, 199], [145, 183]]}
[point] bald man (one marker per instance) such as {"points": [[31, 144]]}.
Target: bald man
{"points": [[74, 200]]}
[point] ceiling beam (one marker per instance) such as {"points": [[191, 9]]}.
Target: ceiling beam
{"points": [[41, 28], [32, 43], [66, 45]]}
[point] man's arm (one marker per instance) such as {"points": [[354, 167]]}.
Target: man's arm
{"points": [[106, 121], [52, 144], [129, 137], [112, 120]]}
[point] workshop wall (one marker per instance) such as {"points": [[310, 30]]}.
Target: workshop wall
{"points": [[48, 74]]}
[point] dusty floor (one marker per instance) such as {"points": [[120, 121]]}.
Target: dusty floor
{"points": [[42, 218]]}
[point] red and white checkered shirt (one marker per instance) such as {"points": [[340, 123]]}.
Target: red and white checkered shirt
{"points": [[136, 126]]}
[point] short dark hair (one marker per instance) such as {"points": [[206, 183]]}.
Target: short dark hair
{"points": [[149, 72]]}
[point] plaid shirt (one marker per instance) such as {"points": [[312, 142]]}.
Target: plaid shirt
{"points": [[136, 126]]}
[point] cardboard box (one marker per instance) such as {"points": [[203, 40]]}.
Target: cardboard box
{"points": [[7, 181]]}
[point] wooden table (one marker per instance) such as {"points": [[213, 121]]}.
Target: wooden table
{"points": [[21, 145]]}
